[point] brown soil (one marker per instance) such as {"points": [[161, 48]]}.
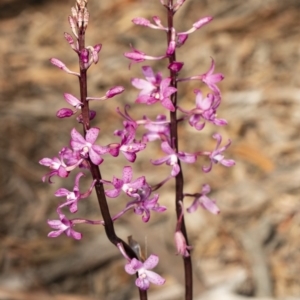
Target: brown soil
{"points": [[251, 248]]}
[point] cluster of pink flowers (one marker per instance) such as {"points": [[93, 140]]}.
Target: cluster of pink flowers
{"points": [[84, 153]]}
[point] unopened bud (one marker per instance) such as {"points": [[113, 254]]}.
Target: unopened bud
{"points": [[64, 113], [175, 66], [98, 47], [181, 246], [171, 48], [141, 21], [74, 12], [84, 55], [114, 149], [92, 115], [178, 4], [202, 22], [181, 39], [157, 21], [114, 91], [86, 17], [72, 21], [70, 40], [81, 4], [56, 62], [80, 20], [135, 56], [72, 100]]}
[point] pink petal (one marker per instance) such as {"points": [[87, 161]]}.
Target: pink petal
{"points": [[211, 69], [205, 103], [142, 283], [167, 103], [209, 205], [114, 91], [129, 269], [72, 100], [155, 278], [169, 91], [77, 138], [227, 162], [129, 156], [95, 157], [46, 162], [165, 83], [151, 262], [138, 182], [141, 21], [187, 157], [143, 85], [55, 224], [54, 234], [146, 99], [159, 161], [64, 113], [202, 22], [74, 234], [61, 192], [127, 174], [92, 134], [205, 189], [112, 193], [100, 150], [193, 207], [217, 137], [149, 74], [220, 122], [167, 148], [175, 170]]}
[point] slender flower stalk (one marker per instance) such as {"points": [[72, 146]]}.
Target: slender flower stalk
{"points": [[179, 181]]}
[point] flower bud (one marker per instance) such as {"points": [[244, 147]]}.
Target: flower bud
{"points": [[175, 66], [114, 91], [64, 113], [202, 22], [141, 21], [181, 245], [181, 39], [72, 100], [84, 55]]}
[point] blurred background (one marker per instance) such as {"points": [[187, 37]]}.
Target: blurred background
{"points": [[249, 251]]}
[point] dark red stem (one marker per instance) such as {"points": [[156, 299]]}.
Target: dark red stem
{"points": [[179, 178], [95, 170]]}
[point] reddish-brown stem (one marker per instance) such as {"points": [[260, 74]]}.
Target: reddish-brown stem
{"points": [[95, 170], [179, 178]]}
